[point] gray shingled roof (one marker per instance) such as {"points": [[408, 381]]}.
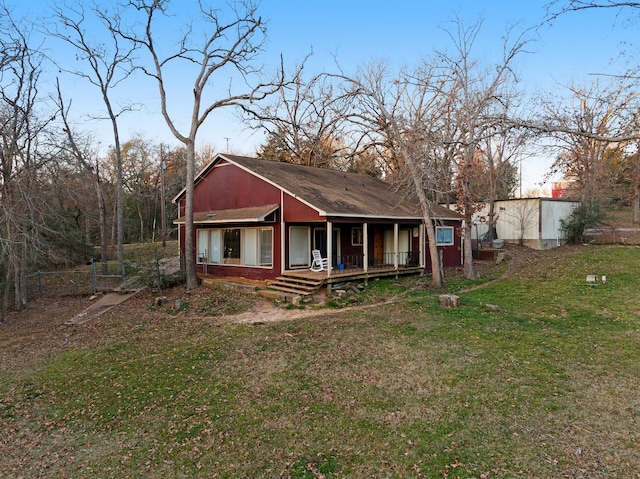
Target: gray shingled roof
{"points": [[254, 214], [336, 193]]}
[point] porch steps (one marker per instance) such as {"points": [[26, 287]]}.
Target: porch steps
{"points": [[295, 285]]}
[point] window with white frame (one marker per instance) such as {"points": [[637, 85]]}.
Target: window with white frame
{"points": [[236, 246], [299, 246], [444, 235], [203, 237], [231, 245], [356, 236], [265, 247]]}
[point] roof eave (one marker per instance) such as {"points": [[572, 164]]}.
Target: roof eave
{"points": [[390, 217], [219, 222]]}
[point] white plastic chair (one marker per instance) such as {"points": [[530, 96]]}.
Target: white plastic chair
{"points": [[319, 263]]}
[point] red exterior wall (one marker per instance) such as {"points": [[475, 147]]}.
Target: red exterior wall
{"points": [[249, 272], [347, 249], [227, 186], [297, 212], [451, 255]]}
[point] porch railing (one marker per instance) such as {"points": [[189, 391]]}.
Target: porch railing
{"points": [[353, 262], [349, 262]]}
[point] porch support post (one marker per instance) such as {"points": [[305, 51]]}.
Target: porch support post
{"points": [[365, 246], [395, 245], [329, 248], [284, 238]]}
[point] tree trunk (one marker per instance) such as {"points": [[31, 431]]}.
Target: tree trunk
{"points": [[467, 203], [434, 254], [636, 203], [5, 295], [102, 213], [189, 245], [119, 204], [140, 217], [491, 222], [87, 229], [20, 274], [437, 278], [469, 270], [114, 223]]}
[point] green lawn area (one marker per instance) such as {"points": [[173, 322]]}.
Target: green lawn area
{"points": [[546, 387]]}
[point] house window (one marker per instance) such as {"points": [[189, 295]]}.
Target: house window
{"points": [[299, 250], [214, 246], [356, 236], [231, 246], [203, 236], [444, 235], [266, 247], [236, 246], [250, 246]]}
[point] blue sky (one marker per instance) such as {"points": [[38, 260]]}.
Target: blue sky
{"points": [[401, 32]]}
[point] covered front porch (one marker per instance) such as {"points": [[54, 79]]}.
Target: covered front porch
{"points": [[339, 276], [352, 248], [307, 282]]}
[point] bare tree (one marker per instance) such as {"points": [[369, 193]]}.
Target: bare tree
{"points": [[20, 128], [556, 8], [107, 65], [632, 166], [435, 120], [82, 154], [227, 45], [306, 123], [402, 114], [523, 217], [585, 128], [140, 180], [499, 151], [477, 97]]}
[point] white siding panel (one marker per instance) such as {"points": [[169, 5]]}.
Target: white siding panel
{"points": [[535, 220]]}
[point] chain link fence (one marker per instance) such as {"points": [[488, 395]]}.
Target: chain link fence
{"points": [[143, 269]]}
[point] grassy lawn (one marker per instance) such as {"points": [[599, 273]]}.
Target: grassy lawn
{"points": [[546, 387]]}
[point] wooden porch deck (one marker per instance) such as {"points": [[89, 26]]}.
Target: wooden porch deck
{"points": [[304, 282], [338, 275]]}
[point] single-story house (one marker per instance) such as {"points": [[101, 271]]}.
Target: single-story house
{"points": [[533, 222], [259, 219]]}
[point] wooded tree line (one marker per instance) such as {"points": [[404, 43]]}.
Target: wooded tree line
{"points": [[450, 130]]}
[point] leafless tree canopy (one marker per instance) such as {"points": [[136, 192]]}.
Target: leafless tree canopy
{"points": [[22, 126], [105, 66], [227, 45]]}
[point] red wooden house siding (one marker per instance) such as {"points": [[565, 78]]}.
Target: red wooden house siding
{"points": [[451, 255], [231, 183], [295, 211], [229, 187], [225, 187]]}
